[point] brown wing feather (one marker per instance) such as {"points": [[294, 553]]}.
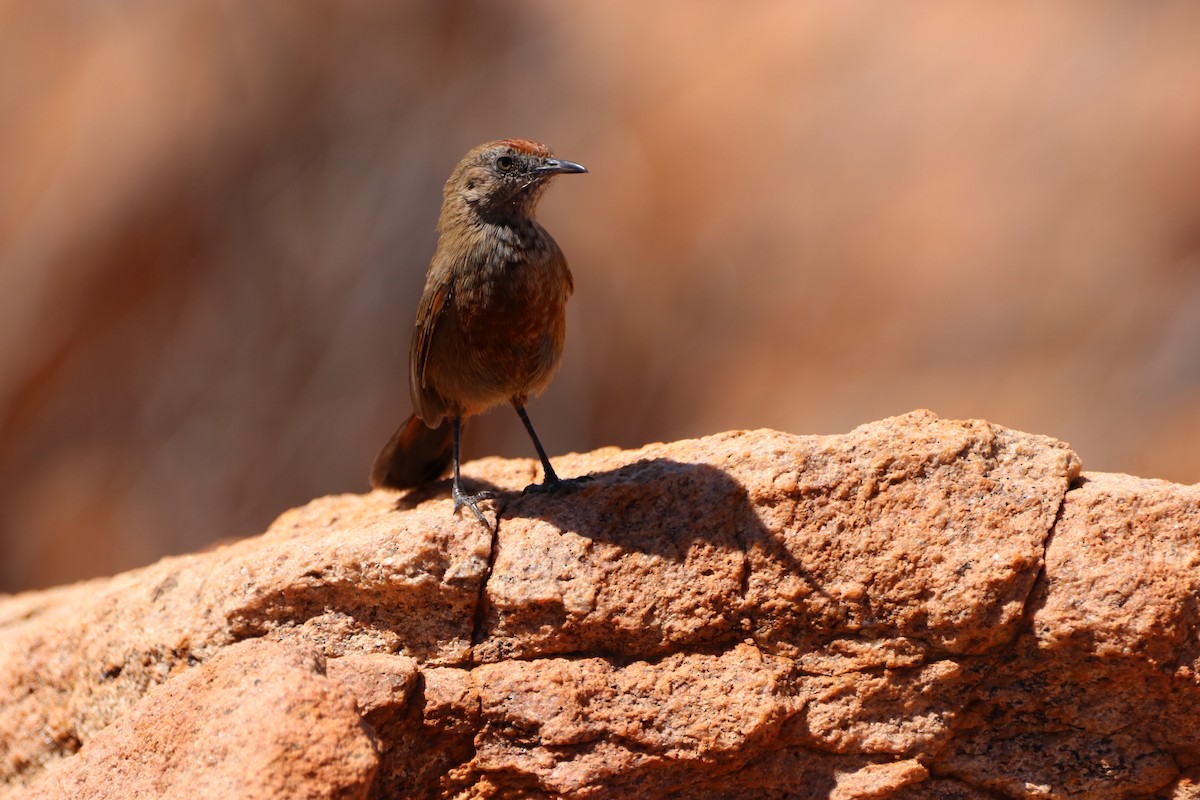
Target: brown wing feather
{"points": [[427, 404]]}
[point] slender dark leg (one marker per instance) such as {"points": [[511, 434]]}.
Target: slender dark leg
{"points": [[460, 498], [551, 482]]}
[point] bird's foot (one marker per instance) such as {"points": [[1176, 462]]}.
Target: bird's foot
{"points": [[557, 484], [472, 501]]}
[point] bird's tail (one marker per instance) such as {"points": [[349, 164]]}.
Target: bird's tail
{"points": [[415, 455]]}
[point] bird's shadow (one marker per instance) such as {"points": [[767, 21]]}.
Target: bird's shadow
{"points": [[657, 506], [699, 520]]}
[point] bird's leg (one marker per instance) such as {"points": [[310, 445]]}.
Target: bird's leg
{"points": [[551, 483], [460, 498]]}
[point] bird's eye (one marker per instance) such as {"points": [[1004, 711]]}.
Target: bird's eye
{"points": [[505, 163]]}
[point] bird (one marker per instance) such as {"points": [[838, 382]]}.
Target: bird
{"points": [[491, 322]]}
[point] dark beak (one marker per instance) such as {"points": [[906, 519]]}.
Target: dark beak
{"points": [[554, 166]]}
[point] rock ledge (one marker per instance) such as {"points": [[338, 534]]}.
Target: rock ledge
{"points": [[920, 608]]}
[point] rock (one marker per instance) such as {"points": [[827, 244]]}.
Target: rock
{"points": [[920, 608], [341, 576], [1099, 697], [257, 721]]}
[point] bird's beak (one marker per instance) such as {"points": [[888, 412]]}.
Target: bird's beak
{"points": [[554, 166]]}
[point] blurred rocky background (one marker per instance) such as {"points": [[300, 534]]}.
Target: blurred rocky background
{"points": [[215, 219]]}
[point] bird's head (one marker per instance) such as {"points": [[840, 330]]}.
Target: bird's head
{"points": [[505, 178]]}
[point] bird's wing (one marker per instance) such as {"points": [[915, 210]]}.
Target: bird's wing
{"points": [[426, 402]]}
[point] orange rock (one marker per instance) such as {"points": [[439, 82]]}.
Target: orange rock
{"points": [[920, 608], [257, 721]]}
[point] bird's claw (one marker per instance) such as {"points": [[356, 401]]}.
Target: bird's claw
{"points": [[471, 501]]}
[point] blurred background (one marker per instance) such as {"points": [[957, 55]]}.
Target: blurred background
{"points": [[215, 218]]}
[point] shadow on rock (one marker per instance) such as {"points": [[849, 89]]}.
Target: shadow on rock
{"points": [[411, 498], [647, 559], [655, 506]]}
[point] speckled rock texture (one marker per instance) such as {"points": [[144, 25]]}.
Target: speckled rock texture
{"points": [[920, 608]]}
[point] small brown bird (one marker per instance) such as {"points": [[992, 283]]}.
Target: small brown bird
{"points": [[492, 319]]}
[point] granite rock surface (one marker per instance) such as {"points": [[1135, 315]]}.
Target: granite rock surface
{"points": [[920, 608]]}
